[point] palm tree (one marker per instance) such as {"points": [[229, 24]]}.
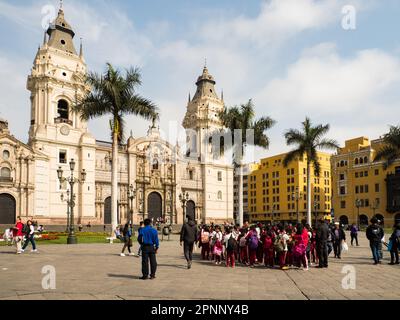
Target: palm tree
{"points": [[114, 94], [242, 118], [390, 151], [307, 142]]}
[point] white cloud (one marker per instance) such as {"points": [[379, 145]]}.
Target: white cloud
{"points": [[322, 81], [356, 95], [277, 22]]}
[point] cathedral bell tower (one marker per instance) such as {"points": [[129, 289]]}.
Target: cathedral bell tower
{"points": [[202, 117], [56, 82]]}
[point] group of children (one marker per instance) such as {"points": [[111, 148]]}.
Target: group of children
{"points": [[281, 245]]}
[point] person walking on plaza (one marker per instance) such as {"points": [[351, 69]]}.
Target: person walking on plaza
{"points": [[18, 235], [127, 236], [354, 234], [141, 226], [322, 236], [188, 238], [375, 235], [148, 239], [338, 237], [395, 244], [30, 237]]}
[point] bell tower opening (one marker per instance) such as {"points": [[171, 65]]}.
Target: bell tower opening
{"points": [[63, 110]]}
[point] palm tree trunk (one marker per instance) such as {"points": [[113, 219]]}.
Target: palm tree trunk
{"points": [[309, 192], [240, 195], [114, 182]]}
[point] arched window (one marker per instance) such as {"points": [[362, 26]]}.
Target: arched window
{"points": [[5, 173], [365, 159], [361, 161], [63, 109], [219, 195], [356, 161], [155, 164]]}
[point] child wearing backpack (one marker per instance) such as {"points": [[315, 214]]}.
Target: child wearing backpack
{"points": [[218, 246], [205, 243], [243, 248], [269, 253], [252, 240], [230, 248]]}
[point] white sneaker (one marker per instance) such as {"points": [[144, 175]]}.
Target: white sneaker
{"points": [[34, 251], [19, 252], [122, 255], [131, 254], [22, 250]]}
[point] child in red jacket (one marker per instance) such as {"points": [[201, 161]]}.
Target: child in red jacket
{"points": [[269, 253]]}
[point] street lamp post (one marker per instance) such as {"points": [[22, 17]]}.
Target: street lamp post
{"points": [[358, 205], [131, 196], [184, 198], [67, 200], [71, 203], [374, 206], [296, 196]]}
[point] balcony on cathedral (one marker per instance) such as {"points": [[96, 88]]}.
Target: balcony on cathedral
{"points": [[64, 121], [6, 180]]}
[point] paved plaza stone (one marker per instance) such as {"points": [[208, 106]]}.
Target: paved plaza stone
{"points": [[97, 272]]}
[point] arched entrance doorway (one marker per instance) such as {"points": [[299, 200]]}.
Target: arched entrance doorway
{"points": [[191, 210], [363, 220], [107, 211], [381, 219], [154, 206], [8, 210], [344, 220]]}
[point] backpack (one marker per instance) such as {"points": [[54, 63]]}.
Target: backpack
{"points": [[299, 250], [375, 234], [242, 242], [278, 245], [26, 229], [268, 242], [253, 242], [205, 237], [232, 244]]}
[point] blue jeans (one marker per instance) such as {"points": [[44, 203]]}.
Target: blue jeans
{"points": [[30, 239], [375, 250]]}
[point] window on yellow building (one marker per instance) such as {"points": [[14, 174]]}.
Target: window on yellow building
{"points": [[343, 204], [377, 187]]}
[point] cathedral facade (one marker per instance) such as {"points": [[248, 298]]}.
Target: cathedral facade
{"points": [[158, 171]]}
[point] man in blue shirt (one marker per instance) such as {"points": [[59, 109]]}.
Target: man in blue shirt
{"points": [[148, 239]]}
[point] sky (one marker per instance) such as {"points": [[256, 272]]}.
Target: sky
{"points": [[293, 58]]}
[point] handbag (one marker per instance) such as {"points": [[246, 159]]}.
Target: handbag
{"points": [[345, 247]]}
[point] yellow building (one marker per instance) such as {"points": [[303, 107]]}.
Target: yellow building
{"points": [[277, 193], [363, 188]]}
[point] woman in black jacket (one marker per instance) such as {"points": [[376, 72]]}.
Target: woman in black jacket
{"points": [[394, 251]]}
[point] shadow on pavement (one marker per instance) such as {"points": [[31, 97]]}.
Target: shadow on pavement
{"points": [[125, 276]]}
